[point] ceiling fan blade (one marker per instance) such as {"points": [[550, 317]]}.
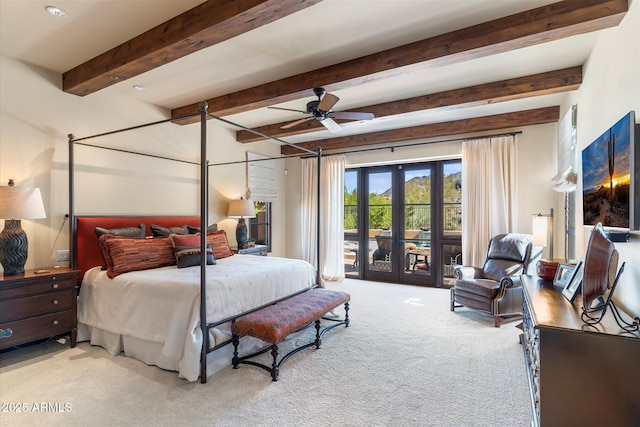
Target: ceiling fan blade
{"points": [[296, 123], [331, 125], [327, 102], [349, 115], [288, 109]]}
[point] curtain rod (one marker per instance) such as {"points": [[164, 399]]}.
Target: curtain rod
{"points": [[393, 147]]}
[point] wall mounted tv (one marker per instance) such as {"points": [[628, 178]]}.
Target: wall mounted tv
{"points": [[610, 179]]}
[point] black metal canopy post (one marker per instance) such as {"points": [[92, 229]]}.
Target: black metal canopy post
{"points": [[318, 217], [204, 205], [72, 218]]}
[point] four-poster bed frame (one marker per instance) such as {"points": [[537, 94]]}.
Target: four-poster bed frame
{"points": [[203, 220]]}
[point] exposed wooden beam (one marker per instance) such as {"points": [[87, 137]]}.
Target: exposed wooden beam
{"points": [[544, 24], [457, 127], [490, 93], [205, 25]]}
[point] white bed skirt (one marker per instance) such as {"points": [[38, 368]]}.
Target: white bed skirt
{"points": [[151, 352]]}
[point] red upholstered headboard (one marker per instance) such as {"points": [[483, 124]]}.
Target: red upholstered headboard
{"points": [[87, 250]]}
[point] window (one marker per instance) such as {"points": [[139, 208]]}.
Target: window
{"points": [[260, 226]]}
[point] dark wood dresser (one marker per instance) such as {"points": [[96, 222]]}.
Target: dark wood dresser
{"points": [[579, 375], [38, 305]]}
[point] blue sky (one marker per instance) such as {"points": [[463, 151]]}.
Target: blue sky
{"points": [[380, 182]]}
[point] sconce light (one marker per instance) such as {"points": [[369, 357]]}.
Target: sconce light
{"points": [[17, 203], [542, 230], [241, 209]]}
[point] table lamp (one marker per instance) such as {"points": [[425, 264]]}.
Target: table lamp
{"points": [[241, 209], [16, 204]]}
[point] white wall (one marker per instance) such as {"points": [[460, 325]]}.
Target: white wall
{"points": [[35, 119], [610, 89]]}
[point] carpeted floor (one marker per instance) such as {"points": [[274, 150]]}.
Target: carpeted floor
{"points": [[406, 360]]}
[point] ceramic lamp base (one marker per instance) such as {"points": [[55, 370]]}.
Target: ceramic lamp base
{"points": [[13, 247]]}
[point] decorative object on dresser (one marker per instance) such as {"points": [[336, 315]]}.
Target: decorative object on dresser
{"points": [[16, 204], [546, 269], [579, 375], [241, 209], [574, 284], [491, 288], [260, 250], [38, 304], [563, 274], [600, 265]]}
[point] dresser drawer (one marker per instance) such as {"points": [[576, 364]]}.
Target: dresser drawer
{"points": [[36, 328], [21, 308], [38, 285]]}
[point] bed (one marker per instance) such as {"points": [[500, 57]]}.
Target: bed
{"points": [[153, 314], [162, 316]]}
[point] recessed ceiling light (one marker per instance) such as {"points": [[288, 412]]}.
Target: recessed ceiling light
{"points": [[139, 87], [57, 12]]}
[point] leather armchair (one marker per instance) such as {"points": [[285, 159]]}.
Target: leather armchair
{"points": [[491, 288]]}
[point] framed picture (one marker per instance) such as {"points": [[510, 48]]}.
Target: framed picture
{"points": [[563, 275], [571, 289]]}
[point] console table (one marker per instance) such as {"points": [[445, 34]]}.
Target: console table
{"points": [[579, 375]]}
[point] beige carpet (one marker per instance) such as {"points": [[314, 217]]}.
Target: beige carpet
{"points": [[406, 360]]}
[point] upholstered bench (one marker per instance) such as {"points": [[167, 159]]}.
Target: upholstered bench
{"points": [[272, 324]]}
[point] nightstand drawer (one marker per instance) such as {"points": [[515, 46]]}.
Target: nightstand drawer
{"points": [[38, 285], [36, 328], [21, 308]]}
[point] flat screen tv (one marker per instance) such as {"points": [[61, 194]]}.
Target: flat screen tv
{"points": [[610, 181]]}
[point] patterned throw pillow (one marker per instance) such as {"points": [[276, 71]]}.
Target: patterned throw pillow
{"points": [[124, 254], [220, 244], [139, 232], [187, 250]]}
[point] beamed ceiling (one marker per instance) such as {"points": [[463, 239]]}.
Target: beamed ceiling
{"points": [[424, 68]]}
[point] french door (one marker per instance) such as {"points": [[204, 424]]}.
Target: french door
{"points": [[403, 222]]}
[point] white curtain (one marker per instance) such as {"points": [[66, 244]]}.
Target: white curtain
{"points": [[489, 196], [331, 215]]}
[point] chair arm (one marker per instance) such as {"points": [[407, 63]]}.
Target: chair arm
{"points": [[510, 282], [467, 272]]}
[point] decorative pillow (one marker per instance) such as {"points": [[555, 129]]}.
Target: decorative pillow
{"points": [[139, 232], [210, 229], [124, 254], [220, 244], [187, 250], [160, 231], [188, 256]]}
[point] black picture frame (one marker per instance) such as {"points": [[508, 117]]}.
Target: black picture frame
{"points": [[573, 286], [563, 275]]}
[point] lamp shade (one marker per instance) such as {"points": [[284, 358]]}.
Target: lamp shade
{"points": [[21, 203], [242, 208]]}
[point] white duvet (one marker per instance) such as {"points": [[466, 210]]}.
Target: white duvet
{"points": [[162, 305]]}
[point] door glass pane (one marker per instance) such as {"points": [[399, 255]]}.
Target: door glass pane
{"points": [[417, 220], [451, 257], [452, 198], [351, 261], [380, 233]]}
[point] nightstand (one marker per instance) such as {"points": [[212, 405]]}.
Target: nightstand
{"points": [[38, 305], [260, 250]]}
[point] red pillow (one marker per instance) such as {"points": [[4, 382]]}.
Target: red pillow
{"points": [[124, 254], [219, 243]]}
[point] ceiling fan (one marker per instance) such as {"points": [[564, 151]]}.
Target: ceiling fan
{"points": [[321, 110]]}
